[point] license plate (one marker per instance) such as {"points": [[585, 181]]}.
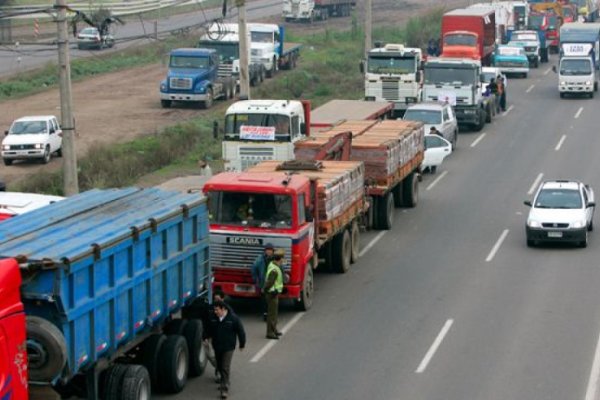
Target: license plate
{"points": [[244, 288], [555, 234]]}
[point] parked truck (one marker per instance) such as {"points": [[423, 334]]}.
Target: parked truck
{"points": [[576, 37], [311, 209], [193, 76], [469, 33], [225, 39], [270, 48], [457, 81], [103, 276], [260, 130], [394, 73], [310, 10]]}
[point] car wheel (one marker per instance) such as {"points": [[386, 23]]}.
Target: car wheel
{"points": [[591, 226], [7, 162], [59, 152], [165, 103], [47, 155], [530, 243]]}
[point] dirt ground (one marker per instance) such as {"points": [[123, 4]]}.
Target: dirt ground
{"points": [[120, 106]]}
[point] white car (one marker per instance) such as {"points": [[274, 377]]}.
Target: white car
{"points": [[36, 137], [438, 115], [15, 203], [436, 150], [561, 211], [90, 38]]}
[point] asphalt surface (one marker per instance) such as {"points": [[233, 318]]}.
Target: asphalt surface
{"points": [[450, 304], [15, 59]]}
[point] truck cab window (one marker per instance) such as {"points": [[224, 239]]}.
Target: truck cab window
{"points": [[256, 210], [295, 126], [301, 210]]}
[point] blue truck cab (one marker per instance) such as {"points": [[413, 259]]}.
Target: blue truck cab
{"points": [[511, 59], [193, 76]]}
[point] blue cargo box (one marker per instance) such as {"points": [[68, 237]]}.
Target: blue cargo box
{"points": [[106, 266]]}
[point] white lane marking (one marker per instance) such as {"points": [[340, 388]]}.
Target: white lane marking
{"points": [[439, 178], [578, 113], [509, 110], [499, 242], [530, 88], [560, 142], [434, 346], [535, 184], [372, 243], [546, 72], [272, 343], [479, 139], [592, 388]]}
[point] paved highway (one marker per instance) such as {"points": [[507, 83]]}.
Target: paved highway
{"points": [[18, 59], [451, 304]]}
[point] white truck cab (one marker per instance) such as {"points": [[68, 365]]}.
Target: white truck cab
{"points": [[259, 130], [265, 43], [35, 137], [577, 72]]}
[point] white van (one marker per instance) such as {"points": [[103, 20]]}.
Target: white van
{"points": [[36, 137]]}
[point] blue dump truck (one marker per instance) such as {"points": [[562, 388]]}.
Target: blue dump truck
{"points": [[193, 76], [105, 276]]}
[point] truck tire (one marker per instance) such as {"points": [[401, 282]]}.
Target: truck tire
{"points": [[385, 211], [113, 383], [262, 74], [7, 161], [136, 383], [342, 252], [150, 356], [562, 95], [355, 238], [397, 193], [173, 364], [410, 190], [544, 55], [46, 349], [481, 123], [304, 303], [591, 95], [488, 114], [193, 335], [165, 103], [175, 327], [209, 99]]}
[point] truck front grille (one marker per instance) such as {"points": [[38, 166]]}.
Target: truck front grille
{"points": [[180, 83], [250, 156], [240, 251], [225, 70], [390, 89], [509, 64]]}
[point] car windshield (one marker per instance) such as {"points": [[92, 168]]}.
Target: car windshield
{"points": [[558, 198], [261, 37], [391, 65], [226, 51], [460, 40], [28, 127], [89, 31], [259, 210], [235, 123], [459, 76], [189, 62], [575, 67], [432, 117]]}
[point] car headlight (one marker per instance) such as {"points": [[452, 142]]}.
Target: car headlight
{"points": [[563, 83], [588, 83], [578, 224], [5, 147], [39, 146], [533, 224]]}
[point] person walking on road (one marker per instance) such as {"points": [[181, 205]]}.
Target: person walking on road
{"points": [[225, 329], [218, 296], [259, 270], [272, 289]]}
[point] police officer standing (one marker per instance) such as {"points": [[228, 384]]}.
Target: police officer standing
{"points": [[272, 289], [259, 270]]}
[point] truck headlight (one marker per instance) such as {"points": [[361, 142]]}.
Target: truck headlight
{"points": [[578, 224], [563, 83], [5, 147], [163, 87], [533, 224], [588, 83], [39, 146]]}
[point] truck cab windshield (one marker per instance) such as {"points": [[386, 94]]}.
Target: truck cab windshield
{"points": [[449, 76], [391, 65], [189, 62], [257, 210], [460, 40], [235, 122], [226, 51], [261, 37], [575, 67]]}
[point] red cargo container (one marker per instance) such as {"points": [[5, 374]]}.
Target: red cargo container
{"points": [[469, 33]]}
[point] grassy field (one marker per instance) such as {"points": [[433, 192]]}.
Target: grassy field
{"points": [[328, 69]]}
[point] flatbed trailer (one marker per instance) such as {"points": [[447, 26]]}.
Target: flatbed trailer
{"points": [[336, 111]]}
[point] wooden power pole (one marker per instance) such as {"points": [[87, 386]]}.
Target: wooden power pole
{"points": [[244, 62], [71, 185], [368, 28]]}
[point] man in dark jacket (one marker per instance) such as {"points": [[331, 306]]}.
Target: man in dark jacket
{"points": [[225, 329]]}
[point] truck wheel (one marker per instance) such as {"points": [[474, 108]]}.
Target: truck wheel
{"points": [[136, 383], [46, 349], [7, 161], [193, 335], [209, 99], [595, 86], [149, 356], [262, 74], [562, 95], [342, 252], [355, 237], [165, 103], [304, 303], [488, 114], [481, 123], [173, 364], [175, 327], [591, 95], [385, 212], [113, 383], [410, 189], [397, 193]]}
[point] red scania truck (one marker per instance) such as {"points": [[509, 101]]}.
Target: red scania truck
{"points": [[469, 33]]}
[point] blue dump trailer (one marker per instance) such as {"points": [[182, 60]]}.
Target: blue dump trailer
{"points": [[114, 283]]}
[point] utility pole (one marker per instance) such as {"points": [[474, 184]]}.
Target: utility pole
{"points": [[368, 21], [71, 186], [244, 62]]}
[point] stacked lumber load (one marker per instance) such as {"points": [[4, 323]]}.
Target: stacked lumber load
{"points": [[340, 184], [386, 147], [356, 127]]}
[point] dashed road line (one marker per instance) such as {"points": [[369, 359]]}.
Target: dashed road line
{"points": [[265, 349], [439, 178], [530, 88], [546, 72], [496, 247], [507, 111], [479, 139], [436, 343], [372, 243], [578, 113], [560, 142], [592, 388], [535, 184]]}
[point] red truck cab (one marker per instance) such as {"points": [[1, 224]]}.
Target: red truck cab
{"points": [[249, 210], [13, 350], [469, 33]]}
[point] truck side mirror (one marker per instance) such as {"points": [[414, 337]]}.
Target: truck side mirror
{"points": [[361, 66], [215, 129], [554, 68]]}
